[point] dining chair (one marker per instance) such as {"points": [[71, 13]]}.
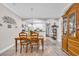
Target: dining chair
{"points": [[23, 41], [35, 40]]}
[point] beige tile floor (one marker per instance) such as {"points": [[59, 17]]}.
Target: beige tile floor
{"points": [[51, 48]]}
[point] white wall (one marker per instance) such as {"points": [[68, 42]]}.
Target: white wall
{"points": [[7, 35], [59, 33], [59, 30]]}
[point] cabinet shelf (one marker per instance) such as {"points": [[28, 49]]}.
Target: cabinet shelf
{"points": [[54, 30]]}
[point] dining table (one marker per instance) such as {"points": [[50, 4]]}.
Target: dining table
{"points": [[40, 38]]}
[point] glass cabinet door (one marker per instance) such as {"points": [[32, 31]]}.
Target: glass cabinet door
{"points": [[72, 25], [65, 26]]}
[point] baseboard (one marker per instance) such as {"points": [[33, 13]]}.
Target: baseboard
{"points": [[5, 49]]}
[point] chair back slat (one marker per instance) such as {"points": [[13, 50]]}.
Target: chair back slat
{"points": [[34, 36], [22, 35]]}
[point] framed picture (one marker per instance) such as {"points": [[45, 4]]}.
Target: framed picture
{"points": [[9, 20], [0, 25], [16, 26], [9, 26]]}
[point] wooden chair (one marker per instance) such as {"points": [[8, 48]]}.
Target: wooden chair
{"points": [[23, 41], [34, 39]]}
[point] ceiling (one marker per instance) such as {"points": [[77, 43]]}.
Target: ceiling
{"points": [[38, 10]]}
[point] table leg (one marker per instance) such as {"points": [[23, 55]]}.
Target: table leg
{"points": [[42, 45], [16, 45]]}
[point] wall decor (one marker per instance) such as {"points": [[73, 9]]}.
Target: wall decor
{"points": [[7, 19], [16, 26], [0, 25], [9, 26]]}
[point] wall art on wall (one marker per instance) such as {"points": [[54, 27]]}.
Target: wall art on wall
{"points": [[16, 26], [7, 19], [0, 25], [9, 26]]}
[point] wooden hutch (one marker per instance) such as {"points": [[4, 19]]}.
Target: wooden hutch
{"points": [[70, 37]]}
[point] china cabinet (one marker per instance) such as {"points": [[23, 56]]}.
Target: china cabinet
{"points": [[65, 25], [72, 25], [70, 37], [64, 41]]}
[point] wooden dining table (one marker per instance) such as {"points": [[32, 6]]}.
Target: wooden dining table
{"points": [[40, 38]]}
